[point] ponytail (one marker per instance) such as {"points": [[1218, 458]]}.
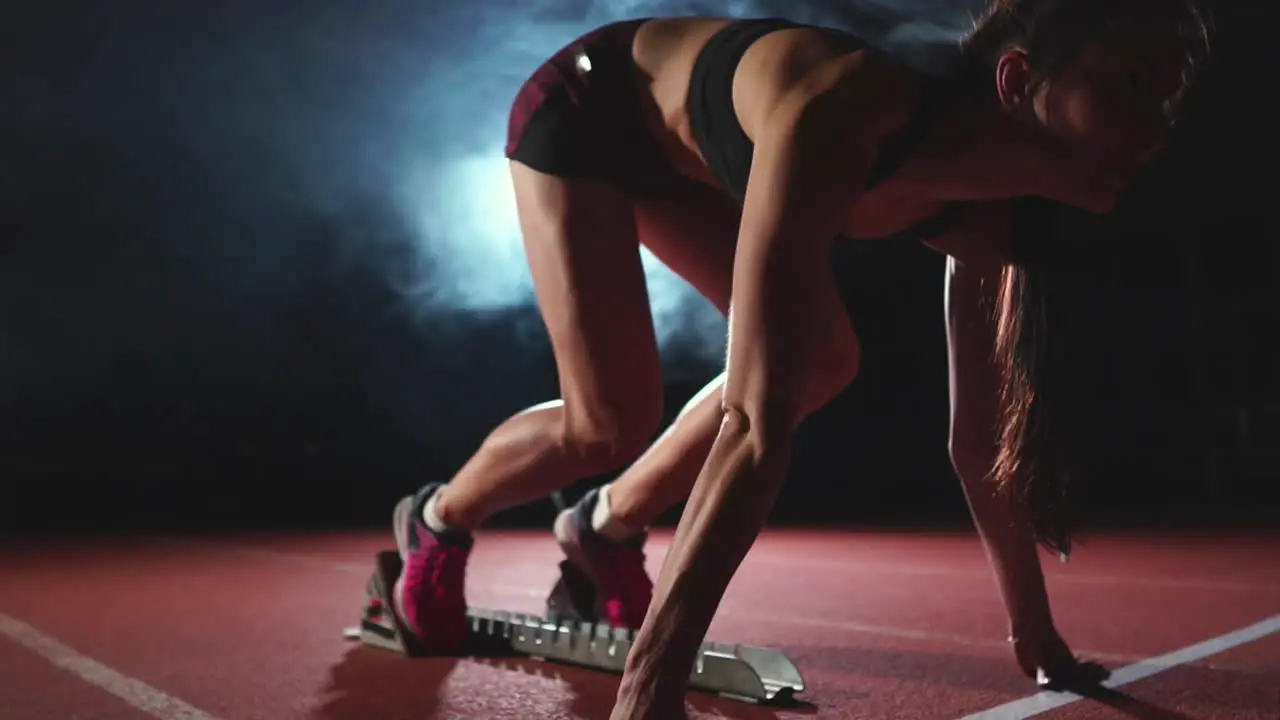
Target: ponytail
{"points": [[1030, 463], [1030, 460]]}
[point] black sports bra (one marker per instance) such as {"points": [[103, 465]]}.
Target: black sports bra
{"points": [[728, 151]]}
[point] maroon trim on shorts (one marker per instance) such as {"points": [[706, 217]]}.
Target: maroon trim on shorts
{"points": [[568, 120]]}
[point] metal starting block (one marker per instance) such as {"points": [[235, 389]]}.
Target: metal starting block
{"points": [[741, 672]]}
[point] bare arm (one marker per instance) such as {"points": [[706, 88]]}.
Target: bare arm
{"points": [[785, 319], [979, 247]]}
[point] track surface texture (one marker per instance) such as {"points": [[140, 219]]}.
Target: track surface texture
{"points": [[883, 625]]}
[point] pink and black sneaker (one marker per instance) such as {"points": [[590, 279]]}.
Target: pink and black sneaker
{"points": [[429, 595], [615, 570]]}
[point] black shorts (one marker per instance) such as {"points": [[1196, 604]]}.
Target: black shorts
{"points": [[579, 114]]}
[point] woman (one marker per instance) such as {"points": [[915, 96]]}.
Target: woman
{"points": [[737, 151]]}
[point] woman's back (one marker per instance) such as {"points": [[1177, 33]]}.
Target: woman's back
{"points": [[667, 51]]}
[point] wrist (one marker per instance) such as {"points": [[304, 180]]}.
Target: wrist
{"points": [[653, 665], [1028, 605], [649, 693], [649, 666]]}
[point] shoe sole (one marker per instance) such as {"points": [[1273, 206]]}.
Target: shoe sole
{"points": [[400, 526], [571, 547]]}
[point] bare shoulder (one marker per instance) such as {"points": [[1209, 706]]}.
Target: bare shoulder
{"points": [[838, 84], [661, 40]]}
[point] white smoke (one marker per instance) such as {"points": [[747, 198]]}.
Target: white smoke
{"points": [[461, 204]]}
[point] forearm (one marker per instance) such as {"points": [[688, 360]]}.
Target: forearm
{"points": [[725, 512]]}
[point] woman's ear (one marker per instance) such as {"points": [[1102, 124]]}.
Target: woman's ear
{"points": [[1013, 79]]}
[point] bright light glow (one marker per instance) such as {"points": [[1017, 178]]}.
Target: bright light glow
{"points": [[465, 213], [469, 234]]}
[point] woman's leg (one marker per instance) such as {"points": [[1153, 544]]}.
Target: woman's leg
{"points": [[580, 236], [693, 230], [580, 239]]}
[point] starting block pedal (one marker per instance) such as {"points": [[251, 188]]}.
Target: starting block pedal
{"points": [[742, 672]]}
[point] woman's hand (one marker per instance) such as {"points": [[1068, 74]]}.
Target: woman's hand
{"points": [[1043, 656]]}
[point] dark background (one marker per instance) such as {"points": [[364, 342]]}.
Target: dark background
{"points": [[257, 270]]}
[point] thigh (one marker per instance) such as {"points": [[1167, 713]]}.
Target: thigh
{"points": [[580, 238], [693, 229]]}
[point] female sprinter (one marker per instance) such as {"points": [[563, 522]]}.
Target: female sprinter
{"points": [[737, 151]]}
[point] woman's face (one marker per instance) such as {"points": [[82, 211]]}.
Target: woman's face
{"points": [[1106, 112]]}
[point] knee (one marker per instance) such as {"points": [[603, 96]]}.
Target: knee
{"points": [[842, 364], [607, 436], [833, 370]]}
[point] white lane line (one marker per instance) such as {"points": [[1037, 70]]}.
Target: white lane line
{"points": [[1045, 701], [140, 695]]}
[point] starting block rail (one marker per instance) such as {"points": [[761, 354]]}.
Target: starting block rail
{"points": [[743, 672]]}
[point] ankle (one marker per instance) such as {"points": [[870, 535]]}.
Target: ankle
{"points": [[608, 522], [443, 513]]}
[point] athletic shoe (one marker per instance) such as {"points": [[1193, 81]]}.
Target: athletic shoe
{"points": [[430, 594], [616, 569]]}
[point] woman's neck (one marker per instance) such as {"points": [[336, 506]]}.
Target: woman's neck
{"points": [[981, 151]]}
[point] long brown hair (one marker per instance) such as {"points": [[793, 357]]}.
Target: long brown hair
{"points": [[1031, 461]]}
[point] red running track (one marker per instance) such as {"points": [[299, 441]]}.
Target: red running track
{"points": [[883, 626]]}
